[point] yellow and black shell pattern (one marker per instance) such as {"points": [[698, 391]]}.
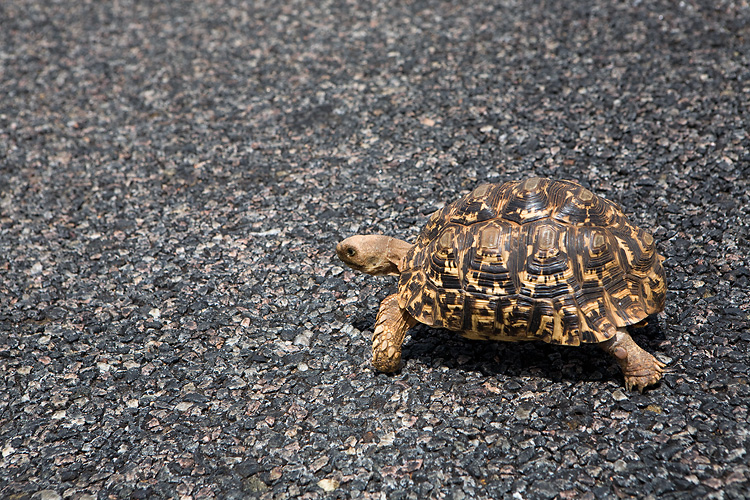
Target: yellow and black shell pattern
{"points": [[532, 260]]}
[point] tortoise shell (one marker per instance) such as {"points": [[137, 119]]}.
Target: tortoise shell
{"points": [[532, 260]]}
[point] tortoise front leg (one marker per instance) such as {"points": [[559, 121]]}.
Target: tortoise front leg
{"points": [[640, 368], [390, 330]]}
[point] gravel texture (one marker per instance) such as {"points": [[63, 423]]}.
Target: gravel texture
{"points": [[174, 177]]}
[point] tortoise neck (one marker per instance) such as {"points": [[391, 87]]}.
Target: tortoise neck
{"points": [[395, 252]]}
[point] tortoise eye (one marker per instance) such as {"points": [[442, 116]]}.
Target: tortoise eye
{"points": [[351, 252]]}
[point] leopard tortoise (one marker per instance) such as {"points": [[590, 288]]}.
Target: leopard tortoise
{"points": [[529, 260]]}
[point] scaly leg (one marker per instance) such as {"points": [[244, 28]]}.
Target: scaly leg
{"points": [[390, 330], [640, 368]]}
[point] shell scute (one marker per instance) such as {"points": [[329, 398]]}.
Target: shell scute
{"points": [[527, 201], [581, 207]]}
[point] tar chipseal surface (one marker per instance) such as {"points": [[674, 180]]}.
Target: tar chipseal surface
{"points": [[174, 177]]}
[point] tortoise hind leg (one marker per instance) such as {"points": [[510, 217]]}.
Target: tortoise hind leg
{"points": [[390, 330], [640, 368]]}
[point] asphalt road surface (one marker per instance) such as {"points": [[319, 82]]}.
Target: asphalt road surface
{"points": [[174, 177]]}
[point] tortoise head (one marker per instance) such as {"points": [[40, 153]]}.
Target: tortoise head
{"points": [[373, 254]]}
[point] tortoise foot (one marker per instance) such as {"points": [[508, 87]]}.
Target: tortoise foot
{"points": [[640, 368], [645, 372]]}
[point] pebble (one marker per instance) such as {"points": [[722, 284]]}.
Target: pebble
{"points": [[328, 485], [522, 413], [619, 395], [304, 338], [46, 495]]}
